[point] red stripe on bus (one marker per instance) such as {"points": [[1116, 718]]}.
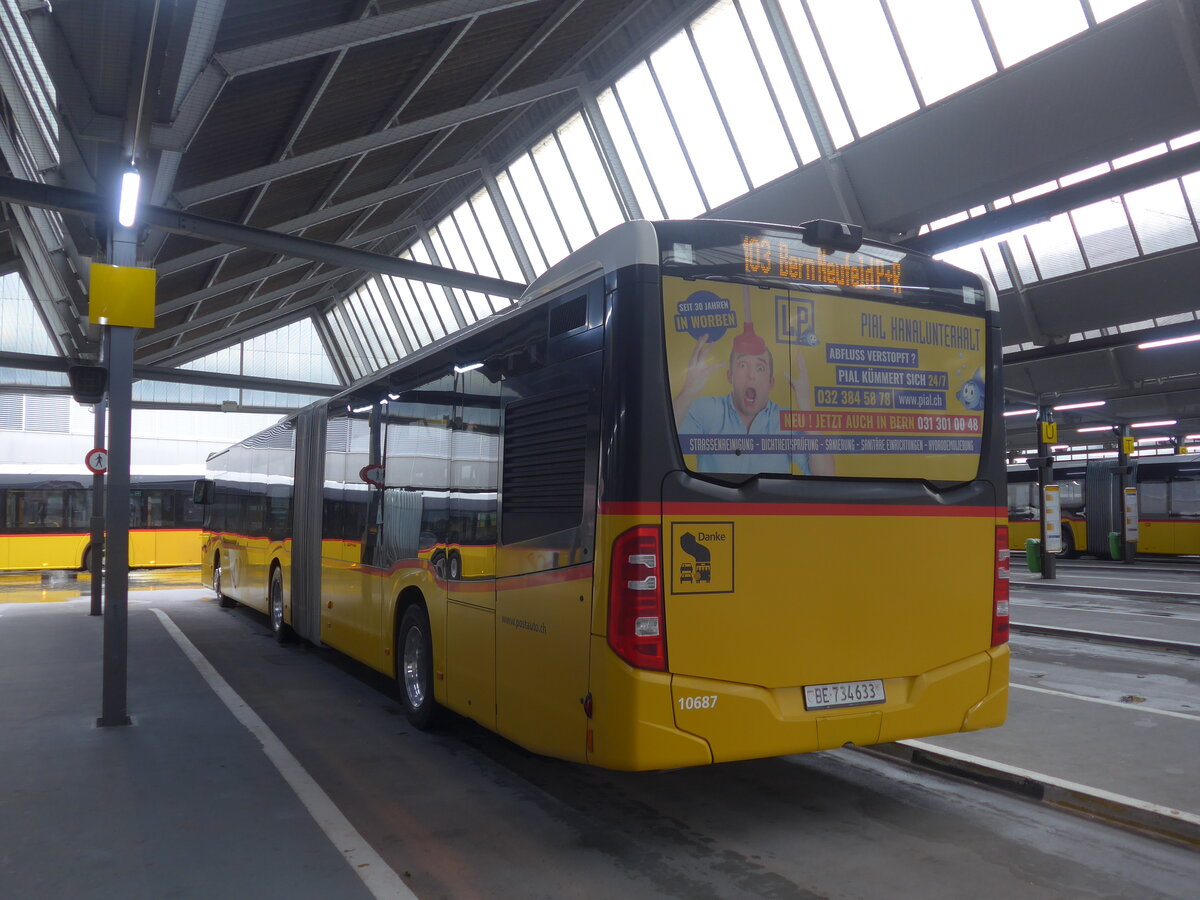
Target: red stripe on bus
{"points": [[541, 579], [797, 509]]}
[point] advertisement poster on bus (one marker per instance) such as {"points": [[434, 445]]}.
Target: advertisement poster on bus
{"points": [[771, 380]]}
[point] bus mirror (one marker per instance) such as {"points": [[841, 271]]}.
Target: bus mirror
{"points": [[204, 492]]}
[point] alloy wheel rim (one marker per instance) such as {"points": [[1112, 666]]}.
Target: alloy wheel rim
{"points": [[414, 654]]}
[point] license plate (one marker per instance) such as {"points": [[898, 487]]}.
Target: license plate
{"points": [[843, 693]]}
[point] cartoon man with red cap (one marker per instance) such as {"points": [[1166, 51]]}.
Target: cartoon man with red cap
{"points": [[746, 410]]}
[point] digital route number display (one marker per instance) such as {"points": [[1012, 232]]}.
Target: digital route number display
{"points": [[797, 261]]}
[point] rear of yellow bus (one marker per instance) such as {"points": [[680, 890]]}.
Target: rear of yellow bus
{"points": [[802, 535]]}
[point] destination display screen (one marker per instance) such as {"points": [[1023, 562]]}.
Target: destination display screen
{"points": [[789, 258], [733, 252]]}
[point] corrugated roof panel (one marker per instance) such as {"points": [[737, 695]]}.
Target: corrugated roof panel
{"points": [[249, 22], [367, 84], [249, 125], [289, 198]]}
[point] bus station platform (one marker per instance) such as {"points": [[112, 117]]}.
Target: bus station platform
{"points": [[198, 795]]}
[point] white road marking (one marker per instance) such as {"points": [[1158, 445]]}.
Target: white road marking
{"points": [[1132, 707], [1074, 786], [380, 879]]}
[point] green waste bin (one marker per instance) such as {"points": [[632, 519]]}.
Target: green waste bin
{"points": [[1033, 554], [1114, 545]]}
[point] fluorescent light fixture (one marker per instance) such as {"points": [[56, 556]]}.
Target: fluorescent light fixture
{"points": [[1168, 342], [362, 409], [1087, 405], [1061, 447], [1192, 437], [1094, 428], [1153, 440], [1161, 424], [131, 184], [1020, 412], [471, 368]]}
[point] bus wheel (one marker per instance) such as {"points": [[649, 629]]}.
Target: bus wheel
{"points": [[414, 670], [1068, 544], [454, 567], [225, 602], [282, 630]]}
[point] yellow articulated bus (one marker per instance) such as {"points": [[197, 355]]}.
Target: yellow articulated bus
{"points": [[1168, 505], [45, 520], [624, 522]]}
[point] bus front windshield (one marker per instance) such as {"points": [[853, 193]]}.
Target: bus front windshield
{"points": [[768, 377]]}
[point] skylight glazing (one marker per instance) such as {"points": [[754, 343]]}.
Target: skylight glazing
{"points": [[293, 352], [731, 103]]}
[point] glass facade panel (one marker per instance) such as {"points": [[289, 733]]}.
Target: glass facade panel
{"points": [[482, 261], [432, 299], [631, 161], [705, 139], [384, 304], [814, 65], [493, 233], [590, 175], [1000, 276], [516, 209], [743, 96], [865, 62], [1104, 230], [1160, 217], [537, 206], [1055, 247], [945, 45], [1021, 28], [1021, 256], [560, 186], [420, 333], [647, 117]]}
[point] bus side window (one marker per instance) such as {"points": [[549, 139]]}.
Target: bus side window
{"points": [[1185, 498]]}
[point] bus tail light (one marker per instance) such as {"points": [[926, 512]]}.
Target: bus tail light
{"points": [[636, 622], [1000, 589]]}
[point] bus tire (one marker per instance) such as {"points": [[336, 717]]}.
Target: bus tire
{"points": [[282, 630], [454, 567], [414, 667], [225, 602], [1069, 550]]}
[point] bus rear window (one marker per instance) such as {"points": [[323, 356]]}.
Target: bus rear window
{"points": [[767, 379]]}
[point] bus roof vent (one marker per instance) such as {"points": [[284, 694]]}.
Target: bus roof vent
{"points": [[833, 235]]}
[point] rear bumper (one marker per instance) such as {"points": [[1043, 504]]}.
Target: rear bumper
{"points": [[653, 720]]}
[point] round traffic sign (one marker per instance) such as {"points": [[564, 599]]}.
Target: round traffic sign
{"points": [[96, 461]]}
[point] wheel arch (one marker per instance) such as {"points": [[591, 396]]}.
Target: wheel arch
{"points": [[410, 596]]}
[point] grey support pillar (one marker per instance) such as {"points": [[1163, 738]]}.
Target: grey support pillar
{"points": [[119, 358], [96, 554]]}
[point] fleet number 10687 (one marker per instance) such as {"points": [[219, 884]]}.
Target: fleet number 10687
{"points": [[704, 701]]}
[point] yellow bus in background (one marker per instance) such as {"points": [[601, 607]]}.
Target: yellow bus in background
{"points": [[45, 520], [1168, 502], [624, 521]]}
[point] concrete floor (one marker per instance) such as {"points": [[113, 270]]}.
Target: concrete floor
{"points": [[188, 802]]}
